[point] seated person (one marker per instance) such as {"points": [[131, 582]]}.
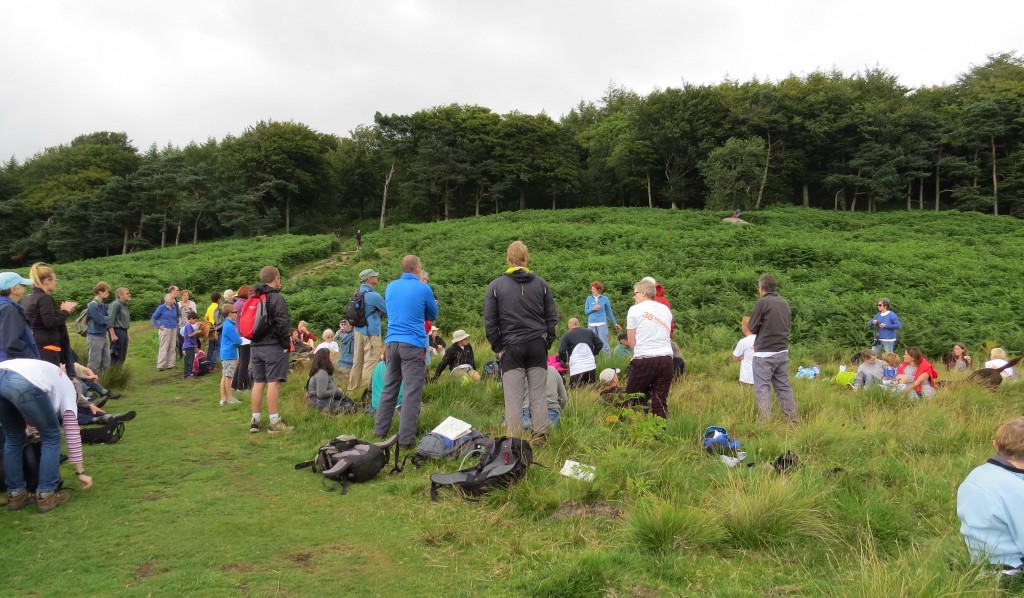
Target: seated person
{"points": [[305, 336], [329, 344], [298, 346], [871, 370], [997, 359], [989, 501], [578, 350], [958, 359], [458, 355], [376, 387], [892, 363], [556, 400], [434, 341], [614, 394], [623, 350], [917, 374], [91, 382], [90, 413], [321, 389]]}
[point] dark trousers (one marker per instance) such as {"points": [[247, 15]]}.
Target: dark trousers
{"points": [[190, 356], [582, 379], [119, 348], [653, 377], [242, 380], [406, 373]]}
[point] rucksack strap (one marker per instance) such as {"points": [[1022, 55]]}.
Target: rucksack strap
{"points": [[304, 464], [396, 468]]}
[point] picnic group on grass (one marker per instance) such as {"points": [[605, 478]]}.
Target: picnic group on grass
{"points": [[247, 334]]}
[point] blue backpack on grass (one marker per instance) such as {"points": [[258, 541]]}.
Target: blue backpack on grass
{"points": [[717, 441]]}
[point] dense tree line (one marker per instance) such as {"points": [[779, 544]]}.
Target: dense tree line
{"points": [[826, 140]]}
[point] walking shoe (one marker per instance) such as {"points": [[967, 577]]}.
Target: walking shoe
{"points": [[48, 501], [99, 402], [231, 401], [255, 427], [279, 426], [111, 395], [19, 501]]}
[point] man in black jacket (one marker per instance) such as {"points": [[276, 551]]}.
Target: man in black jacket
{"points": [[460, 353], [520, 319], [269, 358], [770, 321], [578, 351]]}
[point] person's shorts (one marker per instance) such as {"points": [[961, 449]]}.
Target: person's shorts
{"points": [[269, 363], [228, 367]]}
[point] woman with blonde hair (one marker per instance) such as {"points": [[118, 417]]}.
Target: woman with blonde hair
{"points": [[49, 320]]}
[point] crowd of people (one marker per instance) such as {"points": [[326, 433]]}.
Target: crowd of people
{"points": [[42, 383]]}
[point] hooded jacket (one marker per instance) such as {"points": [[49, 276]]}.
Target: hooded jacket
{"points": [[15, 335], [518, 308], [49, 325], [277, 316]]}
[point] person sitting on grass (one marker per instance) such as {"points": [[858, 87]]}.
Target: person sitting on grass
{"points": [[870, 371], [613, 394], [556, 397], [321, 389], [989, 501], [90, 413], [997, 359], [623, 350], [329, 344], [229, 341], [305, 336], [958, 359], [299, 347], [91, 382], [918, 375], [458, 355], [190, 343]]}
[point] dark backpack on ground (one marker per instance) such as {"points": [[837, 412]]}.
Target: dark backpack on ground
{"points": [[30, 460], [504, 464], [347, 459], [492, 369], [108, 434], [436, 446], [355, 311], [201, 364]]}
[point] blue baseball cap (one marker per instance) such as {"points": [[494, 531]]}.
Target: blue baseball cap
{"points": [[11, 279]]}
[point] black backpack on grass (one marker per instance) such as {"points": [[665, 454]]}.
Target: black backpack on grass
{"points": [[347, 459], [108, 434], [436, 446], [506, 463], [30, 460]]}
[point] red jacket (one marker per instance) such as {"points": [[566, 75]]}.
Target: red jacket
{"points": [[922, 368], [659, 296]]}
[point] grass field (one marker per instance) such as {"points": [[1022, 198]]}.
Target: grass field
{"points": [[190, 503]]}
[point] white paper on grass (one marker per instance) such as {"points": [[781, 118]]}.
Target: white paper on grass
{"points": [[574, 469], [452, 428]]}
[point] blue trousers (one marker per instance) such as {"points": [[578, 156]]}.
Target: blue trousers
{"points": [[21, 400]]}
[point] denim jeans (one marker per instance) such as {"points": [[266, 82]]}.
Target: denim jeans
{"points": [[93, 385], [553, 417], [21, 400], [602, 333]]}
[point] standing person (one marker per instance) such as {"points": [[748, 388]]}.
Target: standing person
{"points": [[409, 303], [770, 321], [270, 353], [885, 323], [578, 349], [345, 344], [989, 501], [99, 334], [649, 329], [519, 320], [744, 353], [16, 338], [120, 320], [359, 239], [37, 391], [190, 344], [185, 306], [229, 343], [241, 380], [165, 320], [48, 320], [599, 314], [368, 345], [213, 316]]}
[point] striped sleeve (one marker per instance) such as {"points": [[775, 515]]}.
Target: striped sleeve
{"points": [[72, 436]]}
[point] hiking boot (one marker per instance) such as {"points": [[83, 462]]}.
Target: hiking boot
{"points": [[99, 401], [279, 426], [111, 395], [48, 501], [255, 427], [16, 502]]}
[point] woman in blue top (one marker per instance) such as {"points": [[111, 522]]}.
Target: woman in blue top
{"points": [[885, 323], [599, 314]]}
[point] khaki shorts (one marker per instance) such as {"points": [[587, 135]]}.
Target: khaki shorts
{"points": [[228, 367]]}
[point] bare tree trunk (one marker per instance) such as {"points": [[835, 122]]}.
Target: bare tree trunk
{"points": [[976, 152], [177, 235], [124, 242], [288, 214], [764, 175], [142, 220], [479, 196], [909, 195], [835, 200], [920, 193], [554, 197], [995, 180], [384, 199], [195, 228], [650, 196], [807, 196], [522, 198], [938, 183]]}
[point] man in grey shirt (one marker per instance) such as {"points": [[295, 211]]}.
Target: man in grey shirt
{"points": [[770, 321], [120, 320]]}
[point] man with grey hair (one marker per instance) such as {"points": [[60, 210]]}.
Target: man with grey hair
{"points": [[409, 304], [120, 320], [367, 345], [649, 330], [578, 350], [770, 320]]}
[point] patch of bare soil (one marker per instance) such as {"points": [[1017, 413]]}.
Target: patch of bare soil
{"points": [[571, 509]]}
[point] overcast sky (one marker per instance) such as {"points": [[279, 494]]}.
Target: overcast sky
{"points": [[187, 70]]}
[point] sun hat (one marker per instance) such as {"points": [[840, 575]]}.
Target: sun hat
{"points": [[433, 328], [459, 335], [10, 279], [608, 374], [367, 274]]}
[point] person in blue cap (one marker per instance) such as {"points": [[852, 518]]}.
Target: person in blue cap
{"points": [[16, 339]]}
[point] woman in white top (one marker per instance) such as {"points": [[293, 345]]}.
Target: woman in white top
{"points": [[649, 329], [997, 359], [330, 344]]}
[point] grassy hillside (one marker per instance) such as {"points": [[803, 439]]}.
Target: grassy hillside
{"points": [[190, 503]]}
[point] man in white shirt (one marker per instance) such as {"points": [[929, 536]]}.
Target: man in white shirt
{"points": [[744, 353]]}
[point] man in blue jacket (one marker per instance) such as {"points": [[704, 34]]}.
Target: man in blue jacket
{"points": [[367, 345], [98, 334], [409, 303]]}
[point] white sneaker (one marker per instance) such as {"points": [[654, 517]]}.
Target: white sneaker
{"points": [[231, 401]]}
